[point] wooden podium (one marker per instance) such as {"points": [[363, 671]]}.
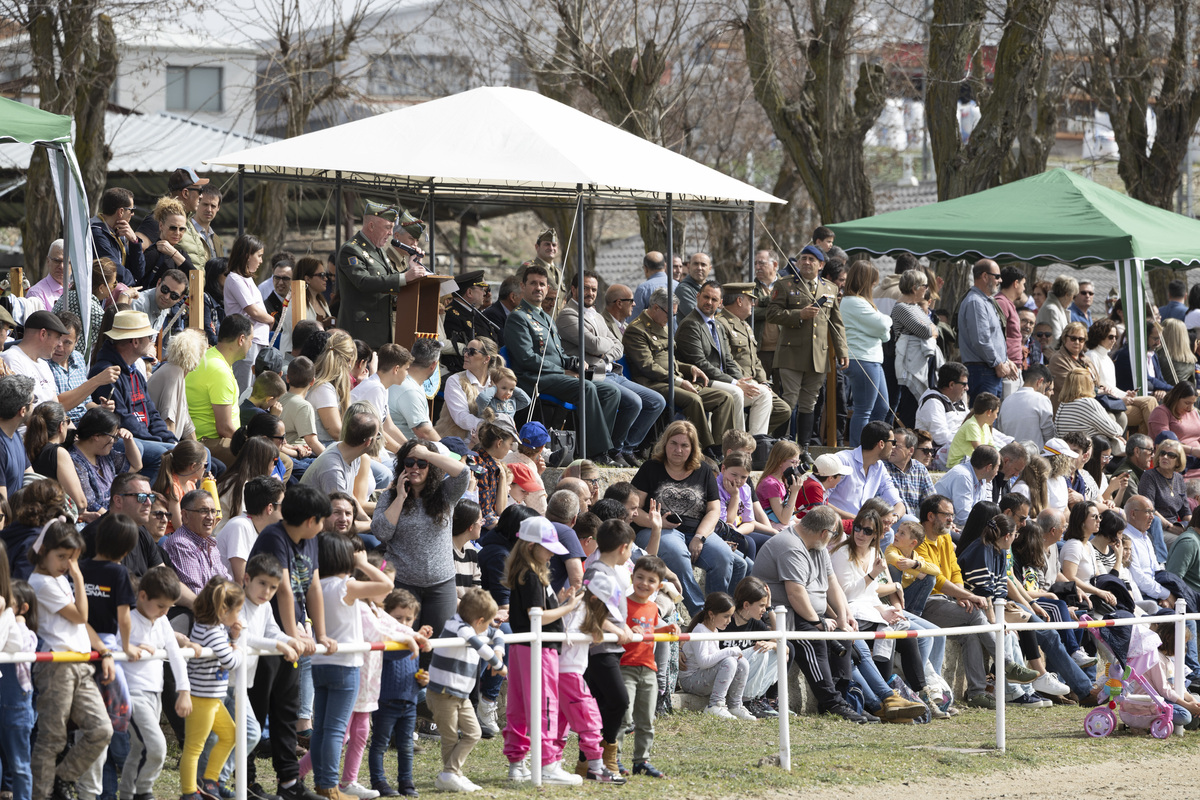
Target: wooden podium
{"points": [[417, 306]]}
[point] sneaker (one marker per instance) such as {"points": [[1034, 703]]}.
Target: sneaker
{"points": [[761, 709], [298, 791], [64, 790], [741, 712], [719, 711], [385, 790], [1047, 683], [486, 712], [449, 782], [518, 771], [474, 787], [604, 775], [931, 699], [356, 789], [555, 775], [215, 789], [1019, 673], [427, 729], [847, 713], [192, 796], [647, 769], [1081, 658], [255, 791], [981, 700], [1047, 702], [1025, 701]]}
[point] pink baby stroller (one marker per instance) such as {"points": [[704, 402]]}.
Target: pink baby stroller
{"points": [[1144, 709]]}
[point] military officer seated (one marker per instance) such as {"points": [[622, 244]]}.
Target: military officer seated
{"points": [[368, 280], [464, 321], [739, 301], [647, 353], [536, 355]]}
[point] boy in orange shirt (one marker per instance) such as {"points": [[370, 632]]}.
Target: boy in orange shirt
{"points": [[638, 666]]}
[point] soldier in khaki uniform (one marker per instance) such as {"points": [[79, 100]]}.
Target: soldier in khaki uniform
{"points": [[368, 279], [645, 342], [805, 308], [739, 299], [766, 270], [546, 247]]}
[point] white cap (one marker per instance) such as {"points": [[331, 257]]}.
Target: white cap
{"points": [[827, 465], [540, 530], [1058, 447]]}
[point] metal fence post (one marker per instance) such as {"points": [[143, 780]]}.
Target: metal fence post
{"points": [[535, 696], [1000, 671], [781, 667], [1180, 645], [240, 707]]}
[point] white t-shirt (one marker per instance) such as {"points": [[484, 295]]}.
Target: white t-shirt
{"points": [[54, 594], [44, 387], [235, 539], [343, 622], [323, 395], [1080, 553], [240, 294], [371, 391]]}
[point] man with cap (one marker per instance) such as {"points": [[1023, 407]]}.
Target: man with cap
{"points": [[639, 407], [43, 331], [646, 352], [546, 248], [184, 185], [464, 321], [131, 338], [739, 300], [805, 307], [367, 279], [536, 355], [698, 267]]}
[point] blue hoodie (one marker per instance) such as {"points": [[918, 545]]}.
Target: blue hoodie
{"points": [[134, 406]]}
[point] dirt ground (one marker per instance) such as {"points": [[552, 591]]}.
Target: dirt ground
{"points": [[1136, 778]]}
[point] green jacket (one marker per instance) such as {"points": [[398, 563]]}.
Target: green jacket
{"points": [[529, 332], [367, 284], [1184, 558]]}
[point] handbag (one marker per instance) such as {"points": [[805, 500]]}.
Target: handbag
{"points": [[1111, 404], [561, 447], [1066, 591]]}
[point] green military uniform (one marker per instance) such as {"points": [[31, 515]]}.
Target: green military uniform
{"points": [[367, 284], [766, 334], [803, 355], [529, 332], [646, 353], [745, 354]]}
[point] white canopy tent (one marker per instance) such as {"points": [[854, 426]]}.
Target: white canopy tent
{"points": [[493, 143]]}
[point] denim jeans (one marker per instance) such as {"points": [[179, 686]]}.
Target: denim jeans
{"points": [[875, 688], [304, 668], [1155, 534], [152, 453], [335, 688], [916, 594], [933, 648], [382, 474], [983, 379], [647, 405], [16, 709], [489, 684], [868, 391], [118, 751], [398, 717], [723, 567]]}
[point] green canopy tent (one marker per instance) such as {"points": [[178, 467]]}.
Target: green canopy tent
{"points": [[24, 124], [1055, 217]]}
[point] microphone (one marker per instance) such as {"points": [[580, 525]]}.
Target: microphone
{"points": [[407, 248]]}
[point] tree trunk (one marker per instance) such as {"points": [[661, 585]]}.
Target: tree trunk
{"points": [[824, 124]]}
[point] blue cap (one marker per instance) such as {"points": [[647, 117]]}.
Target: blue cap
{"points": [[1164, 435], [456, 445], [813, 251], [534, 434]]}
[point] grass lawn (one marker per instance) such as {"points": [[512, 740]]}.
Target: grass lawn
{"points": [[709, 757]]}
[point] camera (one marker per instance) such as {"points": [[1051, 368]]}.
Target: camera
{"points": [[790, 476], [572, 364]]}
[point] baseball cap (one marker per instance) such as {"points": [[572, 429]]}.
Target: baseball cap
{"points": [[827, 465], [44, 319], [540, 530], [605, 587], [534, 434], [1058, 447], [183, 178]]}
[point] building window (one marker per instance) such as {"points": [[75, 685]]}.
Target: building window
{"points": [[418, 76], [194, 89]]}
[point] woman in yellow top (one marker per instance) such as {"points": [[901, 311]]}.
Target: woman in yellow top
{"points": [[976, 429]]}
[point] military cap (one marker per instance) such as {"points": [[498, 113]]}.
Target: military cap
{"points": [[548, 235], [373, 209], [412, 226], [813, 251], [731, 290], [469, 279]]}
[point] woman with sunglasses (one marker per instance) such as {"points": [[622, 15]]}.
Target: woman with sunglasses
{"points": [[460, 415], [414, 520], [160, 516], [1163, 486], [166, 253], [97, 457], [316, 276]]}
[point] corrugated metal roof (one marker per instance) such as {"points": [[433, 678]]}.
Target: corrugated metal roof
{"points": [[154, 143]]}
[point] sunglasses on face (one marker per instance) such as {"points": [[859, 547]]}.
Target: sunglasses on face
{"points": [[177, 228], [926, 450], [142, 497], [173, 295], [419, 463], [1074, 338], [163, 515], [472, 351], [1043, 335]]}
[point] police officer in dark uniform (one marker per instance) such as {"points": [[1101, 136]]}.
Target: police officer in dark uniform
{"points": [[464, 321], [536, 355], [368, 279]]}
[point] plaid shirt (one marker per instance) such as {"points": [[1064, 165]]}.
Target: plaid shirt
{"points": [[74, 375], [914, 485], [195, 558]]}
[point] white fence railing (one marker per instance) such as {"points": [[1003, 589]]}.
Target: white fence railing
{"points": [[536, 638]]}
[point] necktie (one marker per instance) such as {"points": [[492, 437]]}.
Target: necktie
{"points": [[712, 329]]}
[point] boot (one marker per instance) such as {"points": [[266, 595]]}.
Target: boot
{"points": [[581, 766], [931, 701], [804, 428], [333, 793], [610, 758], [896, 707]]}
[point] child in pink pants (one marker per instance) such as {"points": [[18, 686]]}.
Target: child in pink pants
{"points": [[577, 710]]}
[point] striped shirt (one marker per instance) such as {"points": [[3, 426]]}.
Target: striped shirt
{"points": [[210, 676], [1085, 415], [467, 574], [454, 670]]}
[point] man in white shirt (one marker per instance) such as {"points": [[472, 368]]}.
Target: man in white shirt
{"points": [[941, 411], [1027, 414], [1139, 511], [261, 498], [30, 356], [391, 369]]}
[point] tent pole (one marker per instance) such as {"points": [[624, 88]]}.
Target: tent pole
{"points": [[1130, 279], [241, 199], [581, 412], [337, 212], [433, 232], [670, 307], [753, 308]]}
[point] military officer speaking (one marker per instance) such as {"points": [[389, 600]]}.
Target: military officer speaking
{"points": [[367, 278], [534, 347], [805, 307]]}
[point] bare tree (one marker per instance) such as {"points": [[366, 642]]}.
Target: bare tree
{"points": [[72, 49]]}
